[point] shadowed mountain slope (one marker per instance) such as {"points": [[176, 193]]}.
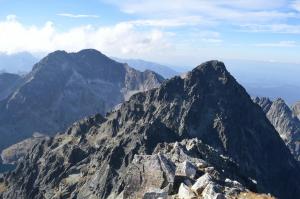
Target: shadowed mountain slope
{"points": [[64, 87], [206, 116]]}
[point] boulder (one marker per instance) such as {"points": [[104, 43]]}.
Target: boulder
{"points": [[212, 191], [185, 192], [201, 183], [187, 169], [149, 176]]}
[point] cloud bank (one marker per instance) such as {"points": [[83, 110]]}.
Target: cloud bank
{"points": [[122, 38], [77, 15]]}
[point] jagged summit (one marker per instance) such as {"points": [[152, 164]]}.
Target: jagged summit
{"points": [[210, 68], [64, 87], [285, 122], [208, 112], [216, 65], [296, 109], [90, 53]]}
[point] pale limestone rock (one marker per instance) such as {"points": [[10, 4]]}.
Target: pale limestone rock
{"points": [[186, 168], [201, 183], [185, 192]]}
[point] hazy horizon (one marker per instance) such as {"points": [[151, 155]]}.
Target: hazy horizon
{"points": [[168, 32]]}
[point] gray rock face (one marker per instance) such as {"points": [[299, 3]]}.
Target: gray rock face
{"points": [[8, 82], [12, 154], [206, 119], [284, 121], [64, 87], [296, 109]]}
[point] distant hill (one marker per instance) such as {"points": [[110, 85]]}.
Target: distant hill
{"points": [[143, 65], [8, 82], [17, 63]]}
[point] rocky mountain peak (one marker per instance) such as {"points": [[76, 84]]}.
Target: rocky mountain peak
{"points": [[210, 105], [280, 105], [214, 66], [296, 109], [185, 132], [284, 121], [64, 87], [211, 70], [264, 102]]}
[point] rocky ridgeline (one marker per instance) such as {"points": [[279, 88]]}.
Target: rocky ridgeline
{"points": [[65, 87], [296, 109], [195, 137], [285, 122]]}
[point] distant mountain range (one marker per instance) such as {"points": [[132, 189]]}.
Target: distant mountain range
{"points": [[64, 87], [200, 136], [8, 82], [18, 63], [285, 121], [143, 65], [264, 79]]}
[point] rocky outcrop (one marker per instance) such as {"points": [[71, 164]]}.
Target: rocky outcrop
{"points": [[284, 121], [201, 134], [296, 110], [65, 87], [12, 154]]}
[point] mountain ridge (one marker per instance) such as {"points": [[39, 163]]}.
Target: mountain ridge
{"points": [[285, 122], [64, 87], [142, 65], [185, 119]]}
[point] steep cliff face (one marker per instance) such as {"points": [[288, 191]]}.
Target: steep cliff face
{"points": [[189, 131], [64, 87], [284, 121], [296, 110]]}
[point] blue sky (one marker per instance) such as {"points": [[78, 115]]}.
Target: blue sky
{"points": [[177, 32]]}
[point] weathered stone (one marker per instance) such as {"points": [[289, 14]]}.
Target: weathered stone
{"points": [[148, 173], [155, 194], [185, 192], [201, 183], [187, 169], [212, 191]]}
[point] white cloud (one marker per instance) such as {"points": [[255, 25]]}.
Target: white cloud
{"points": [[184, 6], [77, 15], [296, 5], [272, 28], [172, 22], [278, 44], [232, 11], [122, 38], [212, 40], [11, 17]]}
